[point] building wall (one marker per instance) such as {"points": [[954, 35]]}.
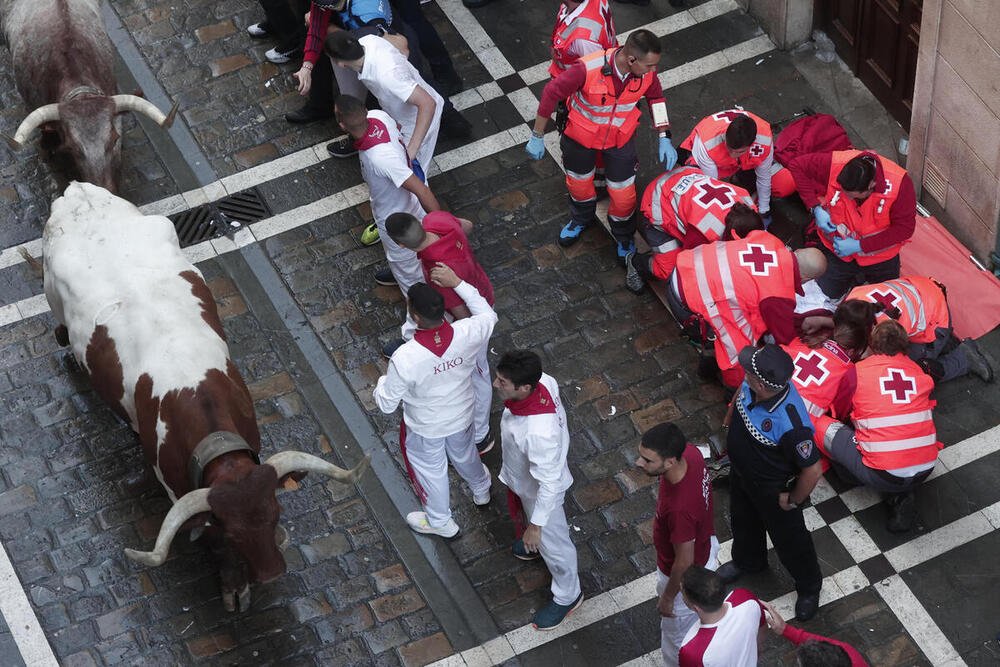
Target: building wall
{"points": [[955, 129]]}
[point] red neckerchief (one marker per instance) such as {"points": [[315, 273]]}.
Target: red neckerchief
{"points": [[538, 403], [377, 133], [437, 339]]}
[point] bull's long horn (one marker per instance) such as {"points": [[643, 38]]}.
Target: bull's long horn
{"points": [[145, 107], [187, 506], [289, 462], [43, 114]]}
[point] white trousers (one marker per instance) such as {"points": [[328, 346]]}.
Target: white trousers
{"points": [[429, 459], [558, 552], [482, 386], [672, 630]]}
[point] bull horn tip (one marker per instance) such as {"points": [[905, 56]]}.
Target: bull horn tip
{"points": [[13, 143], [169, 120], [362, 466]]}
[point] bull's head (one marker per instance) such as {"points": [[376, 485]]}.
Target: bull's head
{"points": [[80, 136], [246, 511]]}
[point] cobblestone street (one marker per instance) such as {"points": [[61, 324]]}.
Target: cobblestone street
{"points": [[305, 323]]}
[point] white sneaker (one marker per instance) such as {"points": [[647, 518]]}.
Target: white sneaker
{"points": [[418, 522], [484, 498], [279, 57], [257, 30]]}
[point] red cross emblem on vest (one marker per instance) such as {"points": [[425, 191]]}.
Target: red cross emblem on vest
{"points": [[756, 150], [708, 193], [898, 386], [758, 259], [727, 116], [887, 298], [810, 368]]}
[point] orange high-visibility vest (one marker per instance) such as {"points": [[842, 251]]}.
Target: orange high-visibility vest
{"points": [[712, 132], [817, 376], [685, 197], [866, 219], [724, 282], [593, 23], [892, 413], [921, 303], [597, 118]]}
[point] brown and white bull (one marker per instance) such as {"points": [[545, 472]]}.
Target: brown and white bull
{"points": [[63, 67], [142, 323]]}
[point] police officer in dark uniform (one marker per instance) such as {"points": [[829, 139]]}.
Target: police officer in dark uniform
{"points": [[775, 465]]}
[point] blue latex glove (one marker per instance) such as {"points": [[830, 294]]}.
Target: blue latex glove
{"points": [[823, 220], [766, 217], [844, 247], [536, 147], [418, 170], [668, 154]]}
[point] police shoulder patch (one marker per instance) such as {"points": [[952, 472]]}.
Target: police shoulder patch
{"points": [[804, 448]]}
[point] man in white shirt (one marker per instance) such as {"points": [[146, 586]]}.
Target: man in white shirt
{"points": [[535, 440], [398, 87], [432, 376], [392, 185], [730, 624]]}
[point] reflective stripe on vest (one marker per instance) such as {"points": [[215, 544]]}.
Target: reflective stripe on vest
{"points": [[897, 445], [914, 305], [812, 408], [894, 420], [729, 291]]}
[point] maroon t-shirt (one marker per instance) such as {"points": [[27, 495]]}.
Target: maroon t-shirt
{"points": [[684, 513], [454, 250]]}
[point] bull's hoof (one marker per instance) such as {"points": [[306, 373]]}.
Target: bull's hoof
{"points": [[232, 600]]}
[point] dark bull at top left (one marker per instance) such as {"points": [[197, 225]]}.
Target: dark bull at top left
{"points": [[63, 66]]}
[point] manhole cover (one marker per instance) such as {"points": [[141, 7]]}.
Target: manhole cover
{"points": [[222, 217]]}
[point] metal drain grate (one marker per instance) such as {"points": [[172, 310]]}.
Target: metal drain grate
{"points": [[222, 217]]}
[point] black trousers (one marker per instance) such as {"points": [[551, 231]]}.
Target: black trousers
{"points": [[282, 22], [430, 41], [755, 513], [841, 277]]}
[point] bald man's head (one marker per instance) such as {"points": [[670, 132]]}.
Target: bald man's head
{"points": [[812, 263]]}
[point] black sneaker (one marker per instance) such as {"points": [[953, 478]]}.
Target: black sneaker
{"points": [[343, 148], [385, 277], [391, 347], [486, 444]]}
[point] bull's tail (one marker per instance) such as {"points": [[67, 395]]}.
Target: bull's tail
{"points": [[35, 265]]}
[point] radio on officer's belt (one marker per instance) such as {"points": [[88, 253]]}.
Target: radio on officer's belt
{"points": [[660, 118]]}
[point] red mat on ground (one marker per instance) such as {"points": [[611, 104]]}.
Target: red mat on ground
{"points": [[973, 294]]}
